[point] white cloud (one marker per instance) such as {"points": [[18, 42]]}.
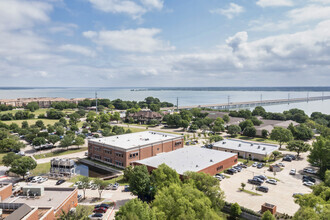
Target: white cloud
{"points": [[274, 3], [230, 12], [309, 13], [131, 40], [129, 7], [18, 14], [78, 49], [157, 4], [238, 39], [321, 1], [67, 29]]}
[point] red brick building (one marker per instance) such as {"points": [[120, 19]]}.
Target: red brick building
{"points": [[194, 159], [123, 150]]}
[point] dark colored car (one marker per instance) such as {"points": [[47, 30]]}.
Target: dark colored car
{"points": [[100, 210], [260, 165], [287, 159], [293, 157], [29, 179], [308, 178], [102, 205], [126, 189], [97, 215], [59, 182], [231, 171], [262, 188], [261, 177], [254, 182]]}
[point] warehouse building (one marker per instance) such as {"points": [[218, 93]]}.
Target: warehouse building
{"points": [[245, 149], [192, 158], [123, 150]]}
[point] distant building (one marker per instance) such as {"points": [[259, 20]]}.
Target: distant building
{"points": [[36, 202], [123, 150], [216, 114], [269, 125], [192, 158], [43, 102], [245, 149], [144, 117]]}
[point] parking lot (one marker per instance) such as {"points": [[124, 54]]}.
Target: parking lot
{"points": [[279, 195]]}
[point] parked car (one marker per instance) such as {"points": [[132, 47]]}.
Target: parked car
{"points": [[59, 182], [108, 187], [77, 184], [271, 181], [308, 178], [308, 183], [262, 188], [260, 165], [79, 197], [94, 187], [102, 205], [255, 164], [254, 182], [43, 179], [237, 168], [220, 175], [258, 179], [287, 159], [293, 157], [281, 164], [126, 189], [98, 216], [243, 165], [29, 179], [36, 179], [263, 177], [311, 171], [293, 172], [230, 171], [115, 186], [100, 210], [218, 178]]}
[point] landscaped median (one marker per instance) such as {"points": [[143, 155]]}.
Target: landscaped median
{"points": [[250, 192]]}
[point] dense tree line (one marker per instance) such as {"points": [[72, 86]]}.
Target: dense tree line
{"points": [[4, 107], [63, 105], [19, 115]]}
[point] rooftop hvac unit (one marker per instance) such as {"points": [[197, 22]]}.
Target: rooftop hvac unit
{"points": [[263, 148], [239, 145]]}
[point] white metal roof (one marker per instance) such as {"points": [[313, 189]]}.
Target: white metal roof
{"points": [[132, 140], [190, 158], [250, 147]]}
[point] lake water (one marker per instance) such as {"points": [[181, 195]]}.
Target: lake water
{"points": [[188, 96]]}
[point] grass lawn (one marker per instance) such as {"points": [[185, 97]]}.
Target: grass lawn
{"points": [[37, 112], [244, 160], [59, 153], [250, 192], [134, 129], [257, 139], [40, 169], [31, 121]]}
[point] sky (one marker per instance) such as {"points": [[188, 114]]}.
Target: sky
{"points": [[153, 43]]}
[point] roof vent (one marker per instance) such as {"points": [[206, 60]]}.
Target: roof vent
{"points": [[239, 145], [251, 144], [263, 148], [224, 142], [259, 147], [196, 165], [117, 137], [211, 161]]}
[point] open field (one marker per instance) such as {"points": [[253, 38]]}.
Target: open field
{"points": [[59, 153], [31, 121], [40, 169]]}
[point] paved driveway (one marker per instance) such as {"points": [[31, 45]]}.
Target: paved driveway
{"points": [[279, 195]]}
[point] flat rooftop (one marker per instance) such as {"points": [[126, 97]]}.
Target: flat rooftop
{"points": [[187, 159], [132, 140], [251, 147], [52, 197]]}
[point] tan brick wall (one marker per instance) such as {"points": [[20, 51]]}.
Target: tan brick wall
{"points": [[6, 191], [70, 202]]}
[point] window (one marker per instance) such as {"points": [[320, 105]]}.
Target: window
{"points": [[108, 160], [178, 143], [97, 157], [235, 160], [119, 163], [119, 154], [157, 148], [107, 151], [220, 168], [132, 155], [96, 148]]}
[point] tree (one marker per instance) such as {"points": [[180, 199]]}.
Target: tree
{"points": [[303, 133], [246, 123], [53, 139], [264, 133], [250, 131], [38, 141], [183, 202], [226, 118], [100, 184], [135, 209], [215, 138], [306, 213], [320, 154], [281, 135], [25, 124], [139, 182], [233, 130], [235, 210], [84, 183], [209, 186], [163, 176], [154, 107], [184, 124], [8, 159], [276, 154], [40, 124], [243, 185], [3, 134], [267, 216], [127, 173], [67, 141], [59, 130], [116, 117], [10, 143], [259, 110], [193, 127], [298, 146], [32, 106], [22, 166], [79, 141]]}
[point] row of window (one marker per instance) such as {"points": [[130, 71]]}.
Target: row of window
{"points": [[134, 155], [119, 163], [119, 154], [220, 168], [178, 143]]}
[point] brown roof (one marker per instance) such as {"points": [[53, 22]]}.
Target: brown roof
{"points": [[146, 114]]}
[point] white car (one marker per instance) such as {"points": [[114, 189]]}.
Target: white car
{"points": [[218, 177], [43, 179], [271, 181], [254, 164], [311, 171], [308, 183], [77, 184], [281, 164], [36, 179], [293, 172]]}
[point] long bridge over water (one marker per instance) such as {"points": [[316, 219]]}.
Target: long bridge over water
{"points": [[238, 105]]}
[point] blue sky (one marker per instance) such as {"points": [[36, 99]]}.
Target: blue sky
{"points": [[164, 43]]}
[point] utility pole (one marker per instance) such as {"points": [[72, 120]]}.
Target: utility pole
{"points": [[288, 98], [96, 101], [322, 95], [307, 96], [260, 99], [228, 101], [177, 104]]}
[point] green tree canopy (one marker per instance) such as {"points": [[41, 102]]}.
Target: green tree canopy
{"points": [[267, 216], [320, 154], [79, 141], [22, 166], [9, 158], [139, 182], [32, 106], [233, 130], [298, 146], [38, 141], [163, 176], [135, 209], [281, 135], [235, 210]]}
